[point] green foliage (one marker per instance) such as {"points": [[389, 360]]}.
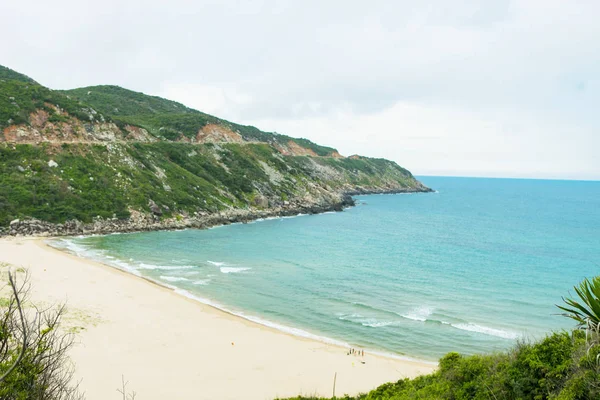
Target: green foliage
{"points": [[82, 189], [19, 99], [109, 179], [9, 74], [171, 120], [161, 117], [33, 356], [587, 311]]}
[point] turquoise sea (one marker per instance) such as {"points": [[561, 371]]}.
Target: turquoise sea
{"points": [[471, 268]]}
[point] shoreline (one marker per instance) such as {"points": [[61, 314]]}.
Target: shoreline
{"points": [[304, 334], [149, 222], [121, 302]]}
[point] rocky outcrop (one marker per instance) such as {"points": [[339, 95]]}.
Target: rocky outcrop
{"points": [[292, 148], [139, 222], [213, 133], [71, 131], [60, 127]]}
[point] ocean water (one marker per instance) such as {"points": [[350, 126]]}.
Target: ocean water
{"points": [[472, 268]]}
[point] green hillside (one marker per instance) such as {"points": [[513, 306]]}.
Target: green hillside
{"points": [[106, 152], [166, 119], [9, 74]]}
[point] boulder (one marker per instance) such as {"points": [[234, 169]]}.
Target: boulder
{"points": [[261, 201], [154, 207]]}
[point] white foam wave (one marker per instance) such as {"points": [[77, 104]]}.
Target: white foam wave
{"points": [[233, 270], [164, 267], [359, 319], [124, 266], [294, 216], [377, 324], [70, 246], [173, 278], [202, 282], [84, 251], [486, 330], [349, 317], [216, 263], [419, 313]]}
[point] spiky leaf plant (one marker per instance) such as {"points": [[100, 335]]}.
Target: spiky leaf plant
{"points": [[586, 309]]}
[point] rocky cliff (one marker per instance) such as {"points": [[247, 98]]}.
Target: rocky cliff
{"points": [[105, 159]]}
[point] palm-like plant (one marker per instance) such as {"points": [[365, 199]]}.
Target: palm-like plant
{"points": [[586, 309]]}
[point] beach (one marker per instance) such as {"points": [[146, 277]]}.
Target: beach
{"points": [[168, 346]]}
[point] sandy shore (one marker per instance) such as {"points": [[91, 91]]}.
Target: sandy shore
{"points": [[171, 347]]}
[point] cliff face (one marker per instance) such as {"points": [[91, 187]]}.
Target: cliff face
{"points": [[133, 162]]}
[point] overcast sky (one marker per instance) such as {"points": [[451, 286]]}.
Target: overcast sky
{"points": [[473, 88]]}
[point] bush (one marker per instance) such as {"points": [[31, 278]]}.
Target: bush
{"points": [[33, 356]]}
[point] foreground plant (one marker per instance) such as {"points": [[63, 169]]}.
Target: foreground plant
{"points": [[585, 310], [33, 350]]}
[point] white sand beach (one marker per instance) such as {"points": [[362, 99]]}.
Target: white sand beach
{"points": [[170, 347]]}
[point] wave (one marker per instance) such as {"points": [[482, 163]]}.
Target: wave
{"points": [[263, 219], [81, 250], [233, 270], [164, 267], [378, 324], [202, 282], [364, 321], [293, 216], [215, 263], [419, 313], [423, 313], [173, 278], [486, 330], [70, 246]]}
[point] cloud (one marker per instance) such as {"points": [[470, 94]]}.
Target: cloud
{"points": [[425, 137], [469, 73]]}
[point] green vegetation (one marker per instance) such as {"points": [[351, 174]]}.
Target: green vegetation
{"points": [[9, 74], [587, 311], [107, 180], [168, 119], [33, 350], [19, 98]]}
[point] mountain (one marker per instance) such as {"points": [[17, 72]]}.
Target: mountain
{"points": [[104, 158]]}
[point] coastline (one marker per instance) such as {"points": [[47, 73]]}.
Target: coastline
{"points": [[146, 222], [247, 359], [296, 332]]}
